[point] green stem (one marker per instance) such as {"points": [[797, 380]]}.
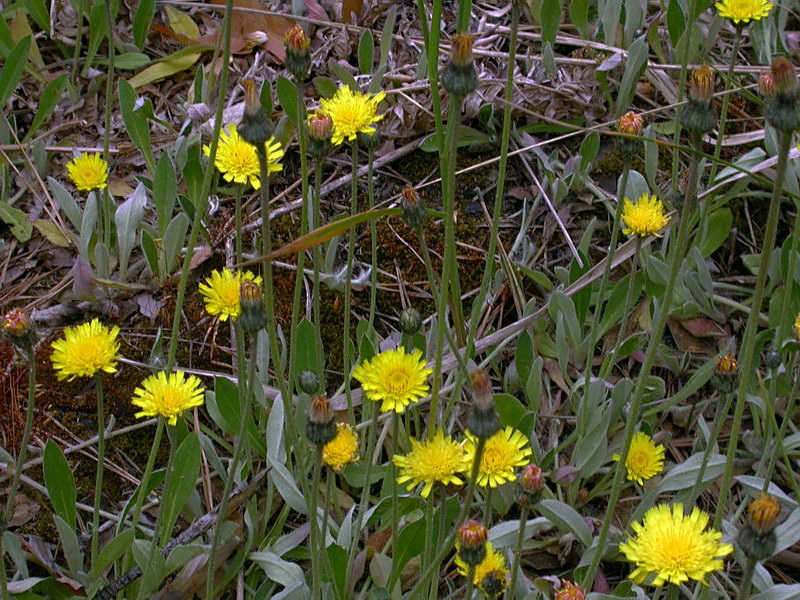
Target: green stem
{"points": [[395, 500], [76, 57], [747, 577], [201, 201], [487, 508], [684, 61], [316, 581], [470, 582], [676, 251], [464, 14], [351, 242], [19, 465], [373, 234], [523, 520], [749, 339], [238, 222], [101, 453], [719, 419], [315, 216], [108, 214], [787, 418]]}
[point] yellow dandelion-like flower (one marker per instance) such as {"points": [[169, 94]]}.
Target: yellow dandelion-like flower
{"points": [[494, 562], [796, 327], [168, 396], [394, 378], [673, 546], [644, 218], [503, 452], [237, 160], [221, 292], [86, 349], [352, 113], [342, 449], [645, 458], [743, 11], [436, 459], [88, 172]]}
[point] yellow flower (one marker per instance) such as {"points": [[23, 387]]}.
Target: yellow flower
{"points": [[342, 449], [168, 396], [503, 452], [673, 546], [88, 172], [436, 459], [797, 327], [237, 160], [645, 459], [742, 11], [352, 113], [394, 378], [644, 218], [86, 349], [493, 563], [221, 292]]}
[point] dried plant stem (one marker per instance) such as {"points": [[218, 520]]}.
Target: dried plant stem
{"points": [[101, 452], [676, 253], [747, 351], [18, 468]]}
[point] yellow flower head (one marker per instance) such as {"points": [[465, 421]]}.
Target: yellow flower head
{"points": [[237, 160], [493, 563], [394, 378], [796, 327], [644, 218], [221, 292], [503, 452], [352, 113], [743, 11], [673, 546], [342, 449], [436, 459], [86, 349], [645, 459], [88, 172], [168, 396]]}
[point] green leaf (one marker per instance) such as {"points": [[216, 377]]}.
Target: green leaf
{"points": [[344, 75], [150, 253], [60, 482], [338, 558], [135, 124], [66, 202], [174, 238], [308, 358], [97, 34], [69, 544], [165, 191], [589, 148], [366, 51], [127, 218], [266, 98], [386, 35], [48, 100], [551, 19], [509, 409], [325, 86], [410, 542], [564, 516], [637, 61], [287, 96], [37, 9], [186, 468], [13, 69], [719, 228], [21, 226], [676, 21], [168, 66], [111, 552], [141, 21], [579, 15], [524, 356]]}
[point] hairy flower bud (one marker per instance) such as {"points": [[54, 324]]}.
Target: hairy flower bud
{"points": [[766, 84], [320, 129], [298, 57], [772, 358], [413, 207], [472, 537], [17, 328], [701, 85], [410, 321], [483, 420], [630, 123], [531, 481], [320, 428], [698, 115], [784, 76], [782, 110], [726, 373], [308, 382], [369, 141], [570, 591], [459, 77], [254, 127], [251, 300], [757, 537]]}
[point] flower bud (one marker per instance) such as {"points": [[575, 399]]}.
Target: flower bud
{"points": [[308, 382], [254, 127], [495, 583], [701, 85], [17, 327], [251, 300], [531, 481], [782, 110], [298, 58], [726, 373], [369, 141], [255, 38], [414, 213], [320, 129], [410, 321], [472, 538], [459, 77], [570, 591], [772, 358], [784, 77], [630, 123], [697, 115], [482, 421], [766, 84], [320, 428], [757, 537]]}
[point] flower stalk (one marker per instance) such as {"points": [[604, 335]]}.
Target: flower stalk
{"points": [[101, 452]]}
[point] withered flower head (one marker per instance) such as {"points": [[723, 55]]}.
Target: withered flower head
{"points": [[471, 537], [727, 363], [255, 38], [701, 85], [784, 76], [698, 115], [531, 481], [254, 127], [461, 49], [320, 131], [763, 511], [298, 58], [413, 207], [251, 300], [630, 123], [757, 537], [483, 420], [320, 428], [726, 373], [459, 77], [766, 84], [296, 39], [17, 328]]}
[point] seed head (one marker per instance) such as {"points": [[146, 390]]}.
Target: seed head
{"points": [[255, 38]]}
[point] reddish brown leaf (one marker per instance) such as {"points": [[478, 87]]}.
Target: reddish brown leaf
{"points": [[247, 22], [351, 7]]}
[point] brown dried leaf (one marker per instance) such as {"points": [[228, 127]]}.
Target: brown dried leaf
{"points": [[247, 22], [351, 7]]}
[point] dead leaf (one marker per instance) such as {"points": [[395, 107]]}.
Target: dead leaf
{"points": [[247, 22], [201, 256], [701, 327], [315, 11], [51, 231], [351, 7], [24, 510], [685, 340]]}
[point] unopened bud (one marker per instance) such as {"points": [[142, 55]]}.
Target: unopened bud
{"points": [[17, 327], [298, 58], [413, 207], [570, 591], [482, 421], [251, 300], [701, 84], [308, 382], [410, 321], [757, 537], [472, 537], [369, 141], [766, 84], [320, 129], [698, 115], [630, 123], [255, 38], [784, 76], [726, 373], [531, 481], [459, 77], [495, 583], [320, 428], [254, 127], [782, 110], [772, 358]]}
